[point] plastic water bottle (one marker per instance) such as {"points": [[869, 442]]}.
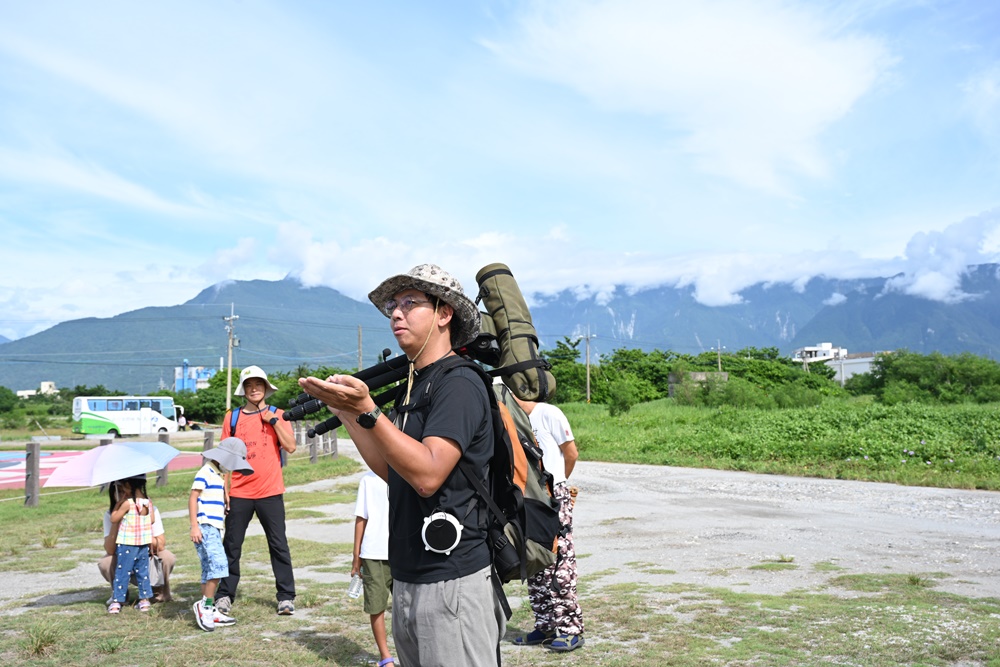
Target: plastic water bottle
{"points": [[354, 590]]}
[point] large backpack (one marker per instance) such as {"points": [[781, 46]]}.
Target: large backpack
{"points": [[523, 525]]}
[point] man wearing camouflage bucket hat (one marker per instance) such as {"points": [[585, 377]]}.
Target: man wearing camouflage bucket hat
{"points": [[441, 418]]}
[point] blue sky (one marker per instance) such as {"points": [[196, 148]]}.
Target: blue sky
{"points": [[151, 149]]}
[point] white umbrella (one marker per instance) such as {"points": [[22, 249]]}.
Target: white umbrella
{"points": [[108, 463]]}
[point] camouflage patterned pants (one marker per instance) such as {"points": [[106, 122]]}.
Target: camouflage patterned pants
{"points": [[553, 590]]}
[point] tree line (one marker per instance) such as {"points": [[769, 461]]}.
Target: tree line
{"points": [[751, 378], [763, 378]]}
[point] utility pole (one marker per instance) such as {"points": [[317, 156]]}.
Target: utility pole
{"points": [[231, 330], [718, 352], [588, 337], [359, 347], [588, 363]]}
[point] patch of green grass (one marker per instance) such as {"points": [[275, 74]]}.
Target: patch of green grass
{"points": [[305, 553], [648, 568], [38, 640], [839, 439], [773, 566], [36, 565], [826, 566], [304, 514], [605, 573], [616, 520], [874, 583], [342, 494], [110, 645]]}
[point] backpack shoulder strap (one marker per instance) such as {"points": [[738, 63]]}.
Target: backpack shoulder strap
{"points": [[232, 421]]}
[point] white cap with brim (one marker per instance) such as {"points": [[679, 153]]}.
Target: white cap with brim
{"points": [[231, 454], [254, 372]]}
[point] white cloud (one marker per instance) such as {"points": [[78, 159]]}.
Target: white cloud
{"points": [[750, 86], [66, 173], [936, 261], [243, 261]]}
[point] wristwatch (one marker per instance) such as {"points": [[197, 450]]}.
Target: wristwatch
{"points": [[368, 419]]}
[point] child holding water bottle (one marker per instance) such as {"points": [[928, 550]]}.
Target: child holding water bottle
{"points": [[371, 556]]}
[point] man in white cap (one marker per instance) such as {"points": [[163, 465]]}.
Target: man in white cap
{"points": [[444, 608], [266, 434]]}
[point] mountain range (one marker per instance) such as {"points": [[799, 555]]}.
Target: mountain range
{"points": [[282, 325]]}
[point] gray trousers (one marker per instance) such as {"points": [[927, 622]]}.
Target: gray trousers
{"points": [[448, 623]]}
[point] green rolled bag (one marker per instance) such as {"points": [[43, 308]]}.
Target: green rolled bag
{"points": [[523, 371]]}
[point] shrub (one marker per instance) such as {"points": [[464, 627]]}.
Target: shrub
{"points": [[737, 393], [621, 397], [796, 396], [902, 391]]}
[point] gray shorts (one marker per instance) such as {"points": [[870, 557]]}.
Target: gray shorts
{"points": [[447, 623]]}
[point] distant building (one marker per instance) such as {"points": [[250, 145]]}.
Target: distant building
{"points": [[845, 365], [820, 352], [192, 378], [45, 388]]}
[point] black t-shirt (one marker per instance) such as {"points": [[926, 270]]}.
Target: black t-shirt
{"points": [[453, 405]]}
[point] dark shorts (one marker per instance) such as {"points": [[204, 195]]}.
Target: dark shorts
{"points": [[377, 579]]}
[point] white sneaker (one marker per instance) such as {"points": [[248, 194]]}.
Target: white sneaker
{"points": [[222, 619], [204, 616]]}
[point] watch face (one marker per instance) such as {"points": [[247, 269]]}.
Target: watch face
{"points": [[368, 419]]}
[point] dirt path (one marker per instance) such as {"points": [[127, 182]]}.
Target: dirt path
{"points": [[708, 527]]}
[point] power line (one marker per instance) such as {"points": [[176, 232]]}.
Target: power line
{"points": [[332, 355], [119, 364], [96, 352]]}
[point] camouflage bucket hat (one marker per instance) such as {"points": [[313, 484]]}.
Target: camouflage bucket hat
{"points": [[434, 280]]}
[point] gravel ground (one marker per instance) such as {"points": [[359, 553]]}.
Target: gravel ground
{"points": [[707, 527], [710, 526]]}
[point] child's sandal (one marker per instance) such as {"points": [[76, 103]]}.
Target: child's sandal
{"points": [[114, 607], [144, 605]]}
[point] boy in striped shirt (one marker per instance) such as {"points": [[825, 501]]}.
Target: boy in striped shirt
{"points": [[207, 507]]}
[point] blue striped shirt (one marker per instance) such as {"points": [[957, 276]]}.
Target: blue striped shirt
{"points": [[212, 499]]}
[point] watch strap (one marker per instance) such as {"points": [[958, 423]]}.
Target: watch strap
{"points": [[368, 419]]}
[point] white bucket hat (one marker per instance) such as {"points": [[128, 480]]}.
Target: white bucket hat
{"points": [[254, 372], [432, 279], [231, 454]]}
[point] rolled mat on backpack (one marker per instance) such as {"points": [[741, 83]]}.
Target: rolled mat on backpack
{"points": [[522, 369]]}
